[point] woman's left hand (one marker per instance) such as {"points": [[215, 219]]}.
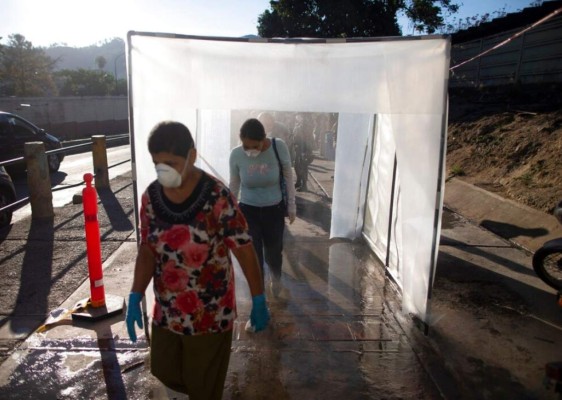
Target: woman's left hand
{"points": [[259, 316], [292, 217]]}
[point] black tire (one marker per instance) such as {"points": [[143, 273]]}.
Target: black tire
{"points": [[54, 162], [547, 263], [6, 197]]}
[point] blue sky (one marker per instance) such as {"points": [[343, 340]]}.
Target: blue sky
{"points": [[85, 22]]}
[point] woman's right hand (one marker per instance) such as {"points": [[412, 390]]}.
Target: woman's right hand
{"points": [[134, 315]]}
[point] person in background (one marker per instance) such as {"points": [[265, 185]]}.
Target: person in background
{"points": [[275, 128], [321, 127], [255, 179], [189, 221], [303, 146]]}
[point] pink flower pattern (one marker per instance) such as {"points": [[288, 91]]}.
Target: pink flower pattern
{"points": [[195, 254], [174, 279], [188, 301], [176, 236], [194, 276]]}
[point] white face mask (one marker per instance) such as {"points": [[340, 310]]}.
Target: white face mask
{"points": [[168, 176], [252, 153]]}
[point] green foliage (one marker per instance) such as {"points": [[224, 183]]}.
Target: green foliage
{"points": [[457, 170], [454, 24], [526, 179], [457, 24], [28, 71], [310, 18], [349, 18], [120, 88], [84, 82], [426, 16], [101, 62], [25, 70]]}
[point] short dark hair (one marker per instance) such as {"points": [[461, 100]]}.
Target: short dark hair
{"points": [[252, 129], [170, 137]]}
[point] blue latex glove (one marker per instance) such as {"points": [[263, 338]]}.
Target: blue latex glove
{"points": [[259, 317], [134, 315]]}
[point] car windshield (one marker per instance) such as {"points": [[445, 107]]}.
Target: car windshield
{"points": [[10, 125], [20, 127]]}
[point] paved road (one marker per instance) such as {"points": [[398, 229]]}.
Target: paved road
{"points": [[69, 179]]}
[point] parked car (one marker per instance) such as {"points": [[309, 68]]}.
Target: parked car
{"points": [[7, 196], [15, 131]]}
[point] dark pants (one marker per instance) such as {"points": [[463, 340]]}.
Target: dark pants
{"points": [[267, 225], [196, 365], [301, 171]]}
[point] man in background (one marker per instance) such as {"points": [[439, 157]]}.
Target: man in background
{"points": [[275, 128], [303, 146]]}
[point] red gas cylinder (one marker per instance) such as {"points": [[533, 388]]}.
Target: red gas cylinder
{"points": [[93, 245]]}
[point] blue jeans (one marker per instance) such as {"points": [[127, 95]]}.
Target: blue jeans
{"points": [[267, 225]]}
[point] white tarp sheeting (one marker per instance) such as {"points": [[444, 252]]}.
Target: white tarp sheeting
{"points": [[391, 98]]}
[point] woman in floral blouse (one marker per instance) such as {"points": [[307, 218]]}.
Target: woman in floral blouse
{"points": [[189, 221]]}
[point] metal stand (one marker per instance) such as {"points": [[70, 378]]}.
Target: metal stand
{"points": [[113, 306]]}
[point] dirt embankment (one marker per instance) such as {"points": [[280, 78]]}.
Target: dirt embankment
{"points": [[509, 143]]}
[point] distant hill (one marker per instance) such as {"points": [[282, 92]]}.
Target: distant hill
{"points": [[85, 57]]}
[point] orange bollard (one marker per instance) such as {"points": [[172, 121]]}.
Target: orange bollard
{"points": [[93, 245]]}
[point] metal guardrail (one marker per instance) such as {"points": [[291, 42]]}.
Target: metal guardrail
{"points": [[64, 149], [22, 202]]}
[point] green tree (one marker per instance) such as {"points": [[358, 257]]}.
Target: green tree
{"points": [[120, 88], [25, 70], [350, 18], [455, 24], [101, 62], [427, 16], [85, 82]]}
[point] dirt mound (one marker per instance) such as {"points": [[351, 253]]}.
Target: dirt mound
{"points": [[508, 142]]}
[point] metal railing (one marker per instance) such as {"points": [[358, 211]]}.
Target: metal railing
{"points": [[66, 150]]}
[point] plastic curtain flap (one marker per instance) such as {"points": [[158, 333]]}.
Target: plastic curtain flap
{"points": [[381, 228], [401, 81], [353, 149], [213, 154]]}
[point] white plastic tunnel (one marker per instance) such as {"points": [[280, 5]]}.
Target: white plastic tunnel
{"points": [[391, 98]]}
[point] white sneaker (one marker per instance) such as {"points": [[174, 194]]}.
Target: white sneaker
{"points": [[249, 328], [276, 287]]}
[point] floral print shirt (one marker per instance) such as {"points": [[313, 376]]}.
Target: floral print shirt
{"points": [[194, 275]]}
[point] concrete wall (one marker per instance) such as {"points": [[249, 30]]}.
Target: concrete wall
{"points": [[72, 117], [532, 58]]}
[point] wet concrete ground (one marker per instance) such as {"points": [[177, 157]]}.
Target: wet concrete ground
{"points": [[337, 330], [333, 333], [332, 336], [494, 321]]}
